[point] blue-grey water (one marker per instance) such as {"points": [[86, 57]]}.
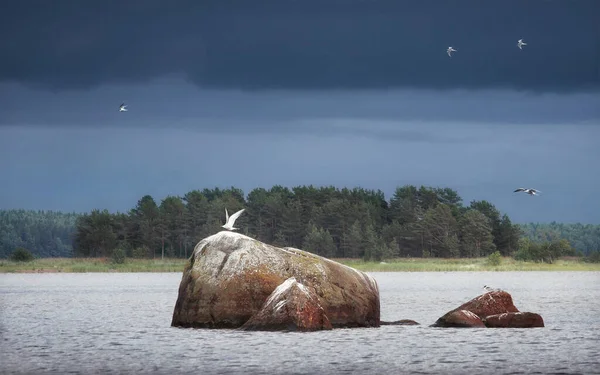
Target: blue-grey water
{"points": [[120, 323]]}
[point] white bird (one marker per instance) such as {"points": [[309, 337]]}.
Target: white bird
{"points": [[450, 50], [528, 191], [230, 220], [123, 107], [490, 289], [521, 43]]}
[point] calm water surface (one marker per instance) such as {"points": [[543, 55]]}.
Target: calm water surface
{"points": [[120, 323]]}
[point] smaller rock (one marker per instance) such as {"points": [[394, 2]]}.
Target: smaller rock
{"points": [[291, 307], [490, 303], [514, 320], [402, 322], [459, 319]]}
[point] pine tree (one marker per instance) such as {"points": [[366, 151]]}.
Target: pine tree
{"points": [[476, 234]]}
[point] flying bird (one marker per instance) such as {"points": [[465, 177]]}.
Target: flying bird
{"points": [[450, 50], [528, 191], [230, 220], [521, 43], [123, 107]]}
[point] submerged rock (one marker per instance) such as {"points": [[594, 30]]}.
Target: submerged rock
{"points": [[229, 277], [292, 307], [402, 322], [514, 320]]}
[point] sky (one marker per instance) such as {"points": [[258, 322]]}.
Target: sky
{"points": [[323, 92]]}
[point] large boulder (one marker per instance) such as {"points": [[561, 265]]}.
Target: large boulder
{"points": [[291, 307], [229, 277]]}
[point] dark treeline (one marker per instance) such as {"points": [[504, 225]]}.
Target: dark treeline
{"points": [[582, 237], [415, 222], [357, 223], [44, 233]]}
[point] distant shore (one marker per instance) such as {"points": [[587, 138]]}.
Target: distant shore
{"points": [[78, 265]]}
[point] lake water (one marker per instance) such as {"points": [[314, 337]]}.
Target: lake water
{"points": [[120, 323]]}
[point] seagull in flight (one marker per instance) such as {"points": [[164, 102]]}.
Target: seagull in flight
{"points": [[528, 191], [123, 107], [450, 50], [521, 43], [230, 220]]}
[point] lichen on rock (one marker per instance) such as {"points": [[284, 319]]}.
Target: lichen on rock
{"points": [[230, 276]]}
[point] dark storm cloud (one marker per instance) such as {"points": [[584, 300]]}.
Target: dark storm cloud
{"points": [[307, 44], [173, 104]]}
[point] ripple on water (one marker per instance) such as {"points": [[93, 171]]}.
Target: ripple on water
{"points": [[120, 323]]}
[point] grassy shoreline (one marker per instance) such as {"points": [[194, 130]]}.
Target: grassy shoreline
{"points": [[78, 265]]}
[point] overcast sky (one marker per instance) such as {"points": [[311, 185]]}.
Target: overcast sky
{"points": [[329, 92]]}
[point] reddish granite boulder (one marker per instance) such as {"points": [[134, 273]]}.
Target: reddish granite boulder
{"points": [[514, 320], [491, 303], [229, 277], [494, 309], [460, 319], [291, 307]]}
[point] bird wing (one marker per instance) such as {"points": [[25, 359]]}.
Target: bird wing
{"points": [[234, 217], [518, 190], [122, 105], [226, 216]]}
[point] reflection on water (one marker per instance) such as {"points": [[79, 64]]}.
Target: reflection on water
{"points": [[120, 323]]}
